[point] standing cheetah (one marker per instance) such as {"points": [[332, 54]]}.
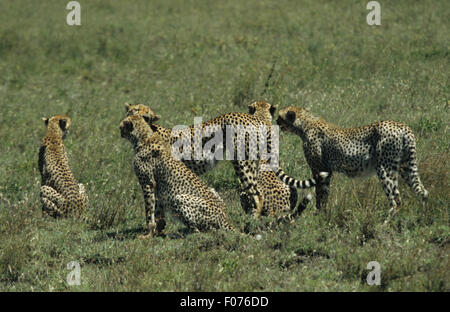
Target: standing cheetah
{"points": [[277, 195], [386, 147], [61, 195], [176, 187]]}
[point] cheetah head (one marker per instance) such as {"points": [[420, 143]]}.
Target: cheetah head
{"points": [[142, 110], [261, 107], [58, 124], [134, 128], [292, 118]]}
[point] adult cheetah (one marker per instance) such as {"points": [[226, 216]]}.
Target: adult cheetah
{"points": [[61, 194], [176, 187], [385, 147]]}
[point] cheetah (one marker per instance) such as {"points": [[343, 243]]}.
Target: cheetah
{"points": [[278, 197], [61, 194], [386, 148], [176, 187]]}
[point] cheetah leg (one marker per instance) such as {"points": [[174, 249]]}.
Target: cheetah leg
{"points": [[322, 192], [84, 199], [397, 197], [389, 183], [290, 218], [52, 201], [247, 173], [406, 176], [160, 219], [150, 202], [393, 174], [246, 202], [293, 197], [302, 205], [83, 194]]}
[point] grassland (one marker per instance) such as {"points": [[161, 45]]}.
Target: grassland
{"points": [[203, 58]]}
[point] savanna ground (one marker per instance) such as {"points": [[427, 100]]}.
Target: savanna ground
{"points": [[203, 58]]}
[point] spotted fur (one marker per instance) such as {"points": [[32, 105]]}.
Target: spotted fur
{"points": [[277, 195], [61, 194], [176, 187], [386, 148]]}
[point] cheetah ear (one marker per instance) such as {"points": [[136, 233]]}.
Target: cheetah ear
{"points": [[290, 116], [153, 127], [127, 107], [272, 109], [45, 120], [251, 109], [128, 126], [63, 124], [147, 119]]}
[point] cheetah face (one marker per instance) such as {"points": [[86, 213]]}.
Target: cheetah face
{"points": [[286, 118], [295, 119], [261, 106], [135, 128], [58, 123], [142, 110], [131, 127]]}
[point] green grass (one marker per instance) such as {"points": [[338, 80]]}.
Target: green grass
{"points": [[204, 58]]}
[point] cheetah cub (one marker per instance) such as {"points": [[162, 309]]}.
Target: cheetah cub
{"points": [[385, 147], [61, 194], [176, 187]]}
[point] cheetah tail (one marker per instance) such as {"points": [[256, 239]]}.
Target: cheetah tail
{"points": [[302, 184], [409, 144]]}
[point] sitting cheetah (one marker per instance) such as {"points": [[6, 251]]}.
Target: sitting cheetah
{"points": [[277, 196], [386, 147], [176, 187], [61, 195]]}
